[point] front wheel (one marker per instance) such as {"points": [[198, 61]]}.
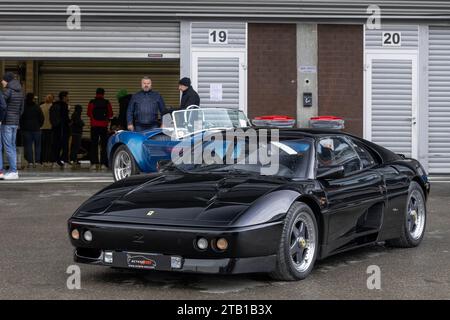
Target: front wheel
{"points": [[299, 244], [414, 221], [123, 163]]}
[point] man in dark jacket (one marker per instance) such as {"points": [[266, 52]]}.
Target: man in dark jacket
{"points": [[59, 118], [189, 97], [144, 106], [30, 124], [100, 113], [13, 96]]}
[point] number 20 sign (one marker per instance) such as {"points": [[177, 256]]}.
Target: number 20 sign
{"points": [[392, 39], [218, 36]]}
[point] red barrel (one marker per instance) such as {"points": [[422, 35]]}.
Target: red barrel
{"points": [[327, 122], [276, 121]]}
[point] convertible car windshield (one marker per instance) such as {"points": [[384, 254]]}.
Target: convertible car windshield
{"points": [[287, 158], [187, 122]]}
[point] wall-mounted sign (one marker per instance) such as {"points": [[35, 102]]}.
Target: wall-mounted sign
{"points": [[215, 92], [218, 36], [308, 69], [392, 39], [307, 99]]}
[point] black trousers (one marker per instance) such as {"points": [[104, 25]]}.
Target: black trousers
{"points": [[75, 147], [99, 134], [60, 136]]}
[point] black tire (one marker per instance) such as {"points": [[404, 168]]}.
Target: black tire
{"points": [[406, 240], [133, 169], [285, 267]]}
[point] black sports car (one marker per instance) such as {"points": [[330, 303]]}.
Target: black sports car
{"points": [[330, 193]]}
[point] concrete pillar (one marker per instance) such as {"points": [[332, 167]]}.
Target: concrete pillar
{"points": [[185, 49], [307, 64]]}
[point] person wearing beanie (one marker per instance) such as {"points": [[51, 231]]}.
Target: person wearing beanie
{"points": [[189, 96], [100, 113], [14, 99]]}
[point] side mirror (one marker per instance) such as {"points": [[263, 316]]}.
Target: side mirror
{"points": [[334, 172]]}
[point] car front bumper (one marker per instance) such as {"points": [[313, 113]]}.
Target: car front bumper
{"points": [[163, 263], [251, 249]]}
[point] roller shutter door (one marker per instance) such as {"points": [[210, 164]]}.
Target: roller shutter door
{"points": [[393, 103], [439, 100], [223, 71], [44, 40], [81, 78]]}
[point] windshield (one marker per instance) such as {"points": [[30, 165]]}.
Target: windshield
{"points": [[187, 122], [287, 158]]}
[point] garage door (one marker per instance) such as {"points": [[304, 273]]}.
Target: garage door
{"points": [[47, 40], [81, 78], [391, 102], [219, 78], [439, 100]]}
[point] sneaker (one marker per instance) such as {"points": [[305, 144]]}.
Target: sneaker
{"points": [[103, 167], [2, 176], [93, 167], [60, 163], [11, 176]]}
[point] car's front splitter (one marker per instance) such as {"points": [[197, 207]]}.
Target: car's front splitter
{"points": [[158, 262]]}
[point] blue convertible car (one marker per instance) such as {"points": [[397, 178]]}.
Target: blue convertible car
{"points": [[132, 152]]}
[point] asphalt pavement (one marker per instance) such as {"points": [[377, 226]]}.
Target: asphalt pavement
{"points": [[36, 254]]}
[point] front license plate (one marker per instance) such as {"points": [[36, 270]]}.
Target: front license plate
{"points": [[147, 261]]}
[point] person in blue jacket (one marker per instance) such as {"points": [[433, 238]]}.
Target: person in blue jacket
{"points": [[144, 106]]}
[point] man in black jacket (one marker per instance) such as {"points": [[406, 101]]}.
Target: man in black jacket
{"points": [[189, 96], [30, 125], [13, 96], [59, 118]]}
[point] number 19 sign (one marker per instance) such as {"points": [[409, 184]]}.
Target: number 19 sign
{"points": [[218, 36]]}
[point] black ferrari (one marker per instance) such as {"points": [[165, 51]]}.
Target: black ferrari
{"points": [[331, 192]]}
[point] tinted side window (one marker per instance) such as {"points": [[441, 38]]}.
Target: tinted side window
{"points": [[335, 151], [366, 158]]}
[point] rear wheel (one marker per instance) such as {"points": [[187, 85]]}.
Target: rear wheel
{"points": [[413, 228], [298, 244], [123, 163]]}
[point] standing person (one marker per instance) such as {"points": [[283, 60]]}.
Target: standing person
{"points": [[144, 106], [13, 96], [46, 132], [76, 126], [189, 96], [99, 112], [2, 118], [30, 123], [124, 100], [59, 118]]}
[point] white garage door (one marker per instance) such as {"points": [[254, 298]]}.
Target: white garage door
{"points": [[439, 100], [391, 102]]}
